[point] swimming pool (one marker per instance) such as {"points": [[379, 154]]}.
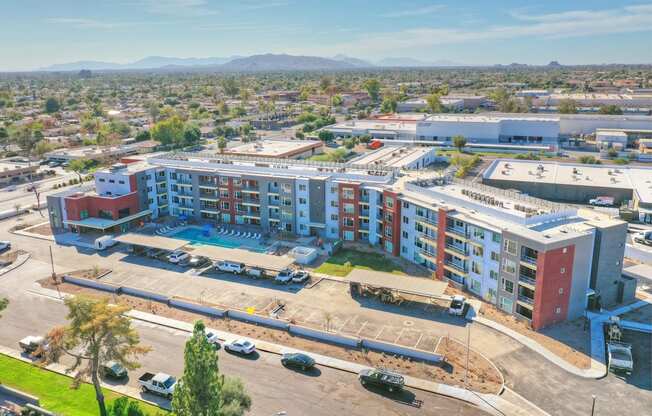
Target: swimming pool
{"points": [[197, 237]]}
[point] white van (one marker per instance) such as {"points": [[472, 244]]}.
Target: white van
{"points": [[177, 256], [230, 266], [103, 242]]}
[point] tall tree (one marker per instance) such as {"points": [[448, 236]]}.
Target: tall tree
{"points": [[611, 109], [434, 103], [221, 144], [567, 107], [230, 86], [202, 391], [97, 332], [372, 86], [78, 166], [169, 131], [459, 142], [52, 105]]}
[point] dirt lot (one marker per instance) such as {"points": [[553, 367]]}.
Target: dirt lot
{"points": [[482, 376]]}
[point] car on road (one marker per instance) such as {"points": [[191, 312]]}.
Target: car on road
{"points": [[212, 339], [177, 256], [241, 346], [300, 276], [230, 267], [197, 262], [33, 345], [4, 245], [382, 378], [112, 369], [284, 276], [644, 237], [159, 383], [620, 357], [457, 305], [298, 360]]}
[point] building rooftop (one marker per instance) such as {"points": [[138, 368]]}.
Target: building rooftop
{"points": [[275, 148], [485, 118], [393, 156]]}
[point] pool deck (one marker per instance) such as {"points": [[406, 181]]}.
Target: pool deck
{"points": [[219, 240]]}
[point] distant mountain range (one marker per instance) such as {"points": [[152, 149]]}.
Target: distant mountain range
{"points": [[264, 62]]}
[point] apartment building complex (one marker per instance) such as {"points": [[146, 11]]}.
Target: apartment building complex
{"points": [[537, 260]]}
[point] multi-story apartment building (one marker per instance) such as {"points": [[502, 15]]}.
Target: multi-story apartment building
{"points": [[537, 260]]}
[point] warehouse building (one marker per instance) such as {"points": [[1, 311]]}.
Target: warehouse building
{"points": [[284, 149]]}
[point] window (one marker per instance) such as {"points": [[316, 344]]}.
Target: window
{"points": [[348, 208], [561, 290], [492, 295], [495, 237], [111, 180], [334, 217], [510, 247], [405, 234], [558, 311], [83, 214], [302, 187], [389, 202], [476, 286], [478, 251], [403, 249], [476, 268], [102, 180], [348, 235], [506, 304], [334, 204], [406, 220], [303, 201], [406, 204], [287, 188], [508, 286], [348, 222], [493, 275], [302, 214], [495, 256], [121, 182], [478, 234], [562, 270], [333, 189], [509, 266], [347, 193]]}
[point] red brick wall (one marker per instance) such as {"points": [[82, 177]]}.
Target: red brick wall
{"points": [[356, 209], [549, 280], [93, 204], [441, 242], [395, 224]]}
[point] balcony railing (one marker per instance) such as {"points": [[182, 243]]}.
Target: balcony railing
{"points": [[428, 253], [456, 266], [526, 299], [529, 259], [457, 231], [184, 181], [456, 249], [251, 200], [364, 213], [209, 196], [528, 280], [428, 236], [427, 220]]}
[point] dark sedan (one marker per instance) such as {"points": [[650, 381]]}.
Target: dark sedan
{"points": [[298, 360], [114, 370]]}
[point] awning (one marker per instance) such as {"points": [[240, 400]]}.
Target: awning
{"points": [[249, 258], [407, 284], [151, 241], [104, 223]]}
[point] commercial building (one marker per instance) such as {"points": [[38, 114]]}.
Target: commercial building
{"points": [[575, 182], [621, 139], [540, 261], [404, 157], [284, 149], [100, 152], [595, 100], [14, 172]]}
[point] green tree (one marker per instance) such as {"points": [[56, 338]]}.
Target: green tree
{"points": [[326, 136], [434, 103], [230, 86], [4, 138], [567, 106], [143, 135], [459, 142], [52, 105], [221, 143], [78, 166], [191, 135], [610, 109], [97, 332], [372, 86], [169, 131], [125, 407], [202, 391], [389, 105]]}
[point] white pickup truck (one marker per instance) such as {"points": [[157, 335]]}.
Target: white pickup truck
{"points": [[620, 357], [159, 383]]}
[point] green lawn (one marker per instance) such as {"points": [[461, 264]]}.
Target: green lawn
{"points": [[54, 391], [344, 261]]}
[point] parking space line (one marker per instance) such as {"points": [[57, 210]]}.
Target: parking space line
{"points": [[344, 323], [419, 340], [361, 327], [399, 335], [437, 346], [381, 331]]}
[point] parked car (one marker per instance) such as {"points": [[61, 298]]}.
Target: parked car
{"points": [[457, 305], [159, 383], [620, 357], [602, 201], [382, 378], [299, 360], [241, 346], [5, 245], [644, 237], [197, 262], [112, 369], [255, 272], [33, 344], [177, 256], [230, 266], [284, 276], [300, 276], [213, 340]]}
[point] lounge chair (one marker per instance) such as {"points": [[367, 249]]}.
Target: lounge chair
{"points": [[237, 234], [257, 236], [232, 232], [248, 235]]}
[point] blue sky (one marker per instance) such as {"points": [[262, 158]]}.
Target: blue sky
{"points": [[38, 33]]}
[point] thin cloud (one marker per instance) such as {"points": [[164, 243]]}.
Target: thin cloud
{"points": [[186, 8], [257, 5], [579, 23], [84, 23], [420, 11]]}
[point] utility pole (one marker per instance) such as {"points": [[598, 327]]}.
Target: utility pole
{"points": [[54, 275], [468, 351]]}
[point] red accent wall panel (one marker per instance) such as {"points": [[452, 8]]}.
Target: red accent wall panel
{"points": [[133, 186], [94, 204], [355, 201], [554, 272], [441, 242]]}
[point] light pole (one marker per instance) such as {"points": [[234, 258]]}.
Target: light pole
{"points": [[54, 275], [468, 350], [593, 405]]}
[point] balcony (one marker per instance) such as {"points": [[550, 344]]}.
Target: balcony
{"points": [[459, 233], [161, 190], [429, 221], [273, 190], [364, 198], [428, 237], [210, 209], [431, 255], [457, 267], [184, 181], [250, 188], [250, 200], [208, 195], [364, 213], [525, 300], [458, 250]]}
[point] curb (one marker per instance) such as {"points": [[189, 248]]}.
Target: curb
{"points": [[20, 260]]}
